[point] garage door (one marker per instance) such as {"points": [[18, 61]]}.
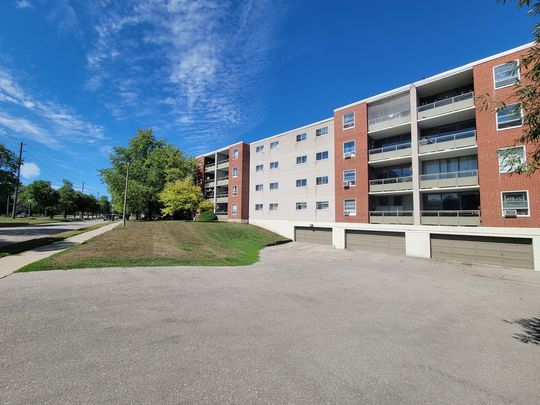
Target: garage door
{"points": [[321, 236], [383, 242], [514, 252]]}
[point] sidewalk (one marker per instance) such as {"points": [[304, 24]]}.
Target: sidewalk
{"points": [[12, 263]]}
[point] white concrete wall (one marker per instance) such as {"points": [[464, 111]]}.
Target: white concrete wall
{"points": [[287, 195]]}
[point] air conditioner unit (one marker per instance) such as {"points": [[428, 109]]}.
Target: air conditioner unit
{"points": [[346, 214], [510, 213], [346, 184], [348, 155]]}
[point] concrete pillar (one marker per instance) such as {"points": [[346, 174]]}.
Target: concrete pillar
{"points": [[418, 244], [536, 252], [414, 156], [338, 237]]}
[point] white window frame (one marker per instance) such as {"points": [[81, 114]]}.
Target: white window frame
{"points": [[354, 149], [528, 202], [274, 164], [235, 170], [353, 120], [234, 191], [301, 163], [257, 186], [511, 147], [317, 135], [234, 209], [297, 180], [261, 166], [350, 170], [322, 184], [322, 154], [515, 126], [322, 202], [259, 148], [274, 145], [259, 205], [235, 154], [351, 214], [507, 85], [302, 204], [276, 205], [273, 188], [303, 137]]}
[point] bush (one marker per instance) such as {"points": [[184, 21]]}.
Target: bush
{"points": [[207, 216]]}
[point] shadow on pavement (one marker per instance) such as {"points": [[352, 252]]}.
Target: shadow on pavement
{"points": [[531, 330]]}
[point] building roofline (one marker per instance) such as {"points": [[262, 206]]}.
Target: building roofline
{"points": [[434, 77], [294, 130], [220, 149]]}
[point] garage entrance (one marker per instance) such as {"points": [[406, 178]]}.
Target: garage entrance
{"points": [[373, 241], [513, 252], [321, 236]]}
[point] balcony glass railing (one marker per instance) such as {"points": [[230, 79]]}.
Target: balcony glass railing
{"points": [[391, 184], [391, 217], [401, 116], [449, 179], [447, 105], [451, 218], [387, 152], [448, 141], [446, 101]]}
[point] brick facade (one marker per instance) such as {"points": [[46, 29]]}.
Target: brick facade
{"points": [[241, 199]]}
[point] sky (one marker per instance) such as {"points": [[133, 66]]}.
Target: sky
{"points": [[78, 77]]}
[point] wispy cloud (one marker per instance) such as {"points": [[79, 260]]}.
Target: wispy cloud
{"points": [[23, 4], [193, 67], [44, 121]]}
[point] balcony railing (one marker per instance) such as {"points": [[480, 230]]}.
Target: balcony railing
{"points": [[388, 152], [447, 142], [392, 184], [223, 163], [446, 105], [450, 179], [451, 218], [391, 217], [221, 212], [390, 120], [210, 184]]}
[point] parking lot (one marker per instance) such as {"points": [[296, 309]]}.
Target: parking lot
{"points": [[307, 324]]}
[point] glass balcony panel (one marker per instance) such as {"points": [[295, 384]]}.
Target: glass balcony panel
{"points": [[446, 106], [447, 142], [388, 152]]}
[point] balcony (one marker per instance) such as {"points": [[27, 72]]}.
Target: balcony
{"points": [[448, 105], [221, 213], [389, 152], [210, 167], [391, 217], [222, 198], [223, 181], [210, 184], [465, 178], [447, 142], [393, 184], [388, 121], [223, 164], [450, 218]]}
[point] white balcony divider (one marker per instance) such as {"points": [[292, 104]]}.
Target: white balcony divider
{"points": [[450, 141], [391, 184], [451, 217], [449, 179]]}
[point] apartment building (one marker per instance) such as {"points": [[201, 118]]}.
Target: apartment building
{"points": [[421, 170]]}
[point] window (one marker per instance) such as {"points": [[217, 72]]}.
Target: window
{"points": [[301, 206], [349, 207], [322, 180], [322, 205], [234, 209], [301, 159], [235, 154], [516, 200], [274, 145], [234, 190], [349, 177], [259, 168], [274, 165], [235, 171], [506, 74], [301, 137], [273, 206], [349, 149], [321, 131], [274, 186], [259, 148], [322, 155], [509, 116], [259, 187], [511, 159], [301, 183], [258, 207], [348, 120]]}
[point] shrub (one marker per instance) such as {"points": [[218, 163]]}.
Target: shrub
{"points": [[207, 216]]}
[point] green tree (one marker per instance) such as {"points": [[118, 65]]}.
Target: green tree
{"points": [[104, 205], [43, 195], [152, 163], [66, 202], [181, 197], [8, 172]]}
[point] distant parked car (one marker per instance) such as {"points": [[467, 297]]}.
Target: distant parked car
{"points": [[22, 215], [110, 217]]}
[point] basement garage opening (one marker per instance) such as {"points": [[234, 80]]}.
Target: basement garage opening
{"points": [[321, 236], [375, 241]]}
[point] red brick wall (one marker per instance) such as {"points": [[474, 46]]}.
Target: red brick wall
{"points": [[242, 181], [359, 162], [199, 175], [492, 183]]}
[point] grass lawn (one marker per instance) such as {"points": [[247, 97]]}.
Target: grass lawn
{"points": [[14, 248], [166, 243], [10, 222]]}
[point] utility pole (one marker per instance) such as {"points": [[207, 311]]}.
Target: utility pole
{"points": [[82, 191], [7, 205], [125, 197], [17, 184]]}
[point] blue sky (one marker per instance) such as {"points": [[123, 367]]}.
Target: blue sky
{"points": [[78, 77]]}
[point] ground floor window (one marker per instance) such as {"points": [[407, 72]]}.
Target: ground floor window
{"points": [[451, 201], [322, 205], [234, 209], [349, 207], [516, 200]]}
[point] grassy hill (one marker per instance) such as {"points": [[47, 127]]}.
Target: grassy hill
{"points": [[166, 243]]}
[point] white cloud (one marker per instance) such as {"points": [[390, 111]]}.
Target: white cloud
{"points": [[29, 170], [23, 4]]}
